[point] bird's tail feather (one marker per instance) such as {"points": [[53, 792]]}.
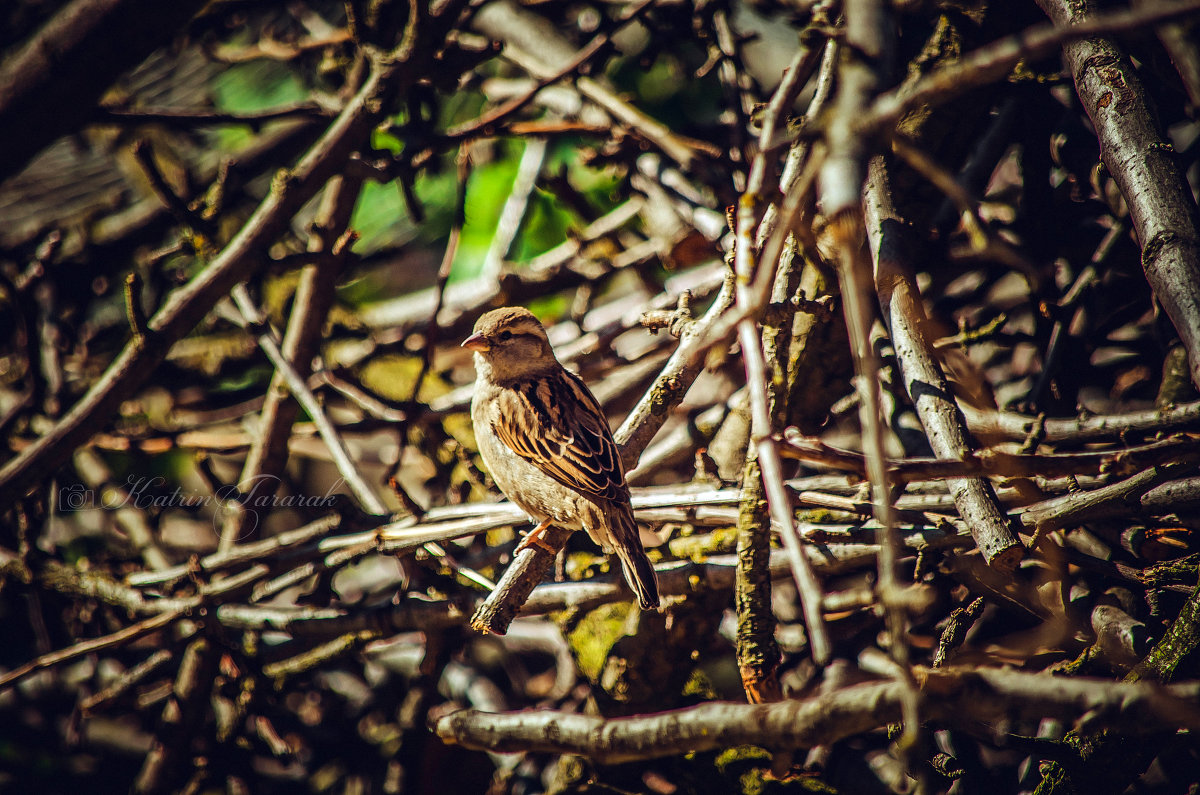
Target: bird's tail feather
{"points": [[638, 570]]}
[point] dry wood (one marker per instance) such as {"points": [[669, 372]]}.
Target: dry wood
{"points": [[178, 302]]}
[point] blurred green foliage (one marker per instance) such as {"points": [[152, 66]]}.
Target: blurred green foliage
{"points": [[249, 87], [664, 87]]}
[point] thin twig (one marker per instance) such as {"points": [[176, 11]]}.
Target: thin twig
{"points": [[134, 310], [432, 329], [842, 177], [189, 118], [513, 213], [254, 321], [756, 380], [84, 648], [268, 341], [310, 307]]}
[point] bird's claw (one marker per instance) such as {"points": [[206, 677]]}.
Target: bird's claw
{"points": [[534, 538]]}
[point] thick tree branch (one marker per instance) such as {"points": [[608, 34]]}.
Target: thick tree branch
{"points": [[960, 697], [1142, 163], [923, 379]]}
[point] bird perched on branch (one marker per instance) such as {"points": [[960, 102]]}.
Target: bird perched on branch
{"points": [[547, 444]]}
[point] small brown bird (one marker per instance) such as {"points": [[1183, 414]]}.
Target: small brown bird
{"points": [[547, 444]]}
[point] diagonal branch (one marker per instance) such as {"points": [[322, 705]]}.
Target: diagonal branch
{"points": [[314, 297], [1142, 163], [993, 62], [185, 307], [923, 378], [252, 317]]}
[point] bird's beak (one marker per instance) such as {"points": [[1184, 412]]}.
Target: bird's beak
{"points": [[477, 342]]}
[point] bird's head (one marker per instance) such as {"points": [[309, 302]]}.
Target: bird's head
{"points": [[511, 343]]}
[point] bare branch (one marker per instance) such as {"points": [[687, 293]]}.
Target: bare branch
{"points": [[958, 696]]}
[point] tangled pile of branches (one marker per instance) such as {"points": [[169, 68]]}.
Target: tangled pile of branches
{"points": [[909, 425]]}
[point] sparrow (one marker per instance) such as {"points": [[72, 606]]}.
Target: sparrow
{"points": [[546, 443]]}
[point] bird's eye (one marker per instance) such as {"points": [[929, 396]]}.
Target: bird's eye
{"points": [[504, 336]]}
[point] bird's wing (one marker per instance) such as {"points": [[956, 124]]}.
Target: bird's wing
{"points": [[555, 423]]}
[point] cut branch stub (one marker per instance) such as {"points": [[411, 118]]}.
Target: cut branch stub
{"points": [[530, 567]]}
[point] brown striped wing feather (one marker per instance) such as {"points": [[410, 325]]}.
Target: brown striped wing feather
{"points": [[556, 424]]}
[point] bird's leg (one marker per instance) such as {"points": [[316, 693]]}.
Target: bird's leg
{"points": [[534, 536]]}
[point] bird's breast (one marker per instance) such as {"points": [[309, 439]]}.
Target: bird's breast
{"points": [[533, 491]]}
